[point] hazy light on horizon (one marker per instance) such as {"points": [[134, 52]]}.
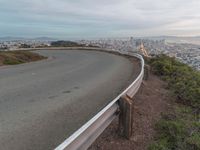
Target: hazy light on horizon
{"points": [[92, 18]]}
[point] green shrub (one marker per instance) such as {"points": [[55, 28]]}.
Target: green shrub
{"points": [[172, 132], [9, 61], [162, 144], [194, 141], [182, 80], [179, 130]]}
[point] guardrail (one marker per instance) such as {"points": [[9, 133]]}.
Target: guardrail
{"points": [[87, 134]]}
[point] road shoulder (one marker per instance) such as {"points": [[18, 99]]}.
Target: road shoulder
{"points": [[151, 100]]}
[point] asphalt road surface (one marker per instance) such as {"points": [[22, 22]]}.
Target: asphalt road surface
{"points": [[42, 103]]}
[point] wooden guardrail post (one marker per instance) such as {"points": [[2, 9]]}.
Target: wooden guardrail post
{"points": [[146, 72], [125, 117]]}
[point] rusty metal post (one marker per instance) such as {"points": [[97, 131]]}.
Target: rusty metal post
{"points": [[125, 117]]}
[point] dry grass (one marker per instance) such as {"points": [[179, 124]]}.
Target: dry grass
{"points": [[18, 57]]}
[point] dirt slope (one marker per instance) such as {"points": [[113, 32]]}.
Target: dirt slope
{"points": [[149, 103]]}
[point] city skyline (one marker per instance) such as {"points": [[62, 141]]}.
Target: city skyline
{"points": [[93, 19]]}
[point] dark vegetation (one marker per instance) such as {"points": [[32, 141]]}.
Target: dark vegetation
{"points": [[18, 57], [24, 46], [65, 44], [69, 44], [3, 47], [180, 128]]}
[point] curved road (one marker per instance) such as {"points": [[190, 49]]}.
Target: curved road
{"points": [[42, 103]]}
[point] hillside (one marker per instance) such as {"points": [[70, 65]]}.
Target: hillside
{"points": [[18, 57], [166, 111]]}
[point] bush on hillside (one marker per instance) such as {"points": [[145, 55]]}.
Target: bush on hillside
{"points": [[183, 80]]}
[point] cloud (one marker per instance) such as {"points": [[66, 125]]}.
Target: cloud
{"points": [[68, 18]]}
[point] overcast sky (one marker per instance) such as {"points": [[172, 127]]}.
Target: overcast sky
{"points": [[99, 18]]}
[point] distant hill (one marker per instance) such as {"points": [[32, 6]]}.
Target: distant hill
{"points": [[11, 38], [176, 39], [45, 39], [192, 40], [3, 39]]}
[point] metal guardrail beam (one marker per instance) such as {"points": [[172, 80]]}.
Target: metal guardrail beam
{"points": [[87, 134], [87, 137]]}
